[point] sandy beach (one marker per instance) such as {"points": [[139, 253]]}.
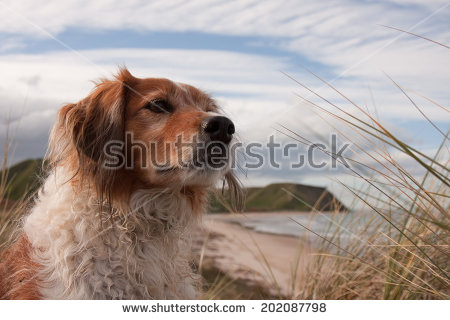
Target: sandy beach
{"points": [[265, 260]]}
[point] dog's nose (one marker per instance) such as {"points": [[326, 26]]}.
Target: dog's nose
{"points": [[218, 128]]}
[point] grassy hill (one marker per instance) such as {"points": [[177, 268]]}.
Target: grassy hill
{"points": [[23, 178], [283, 197]]}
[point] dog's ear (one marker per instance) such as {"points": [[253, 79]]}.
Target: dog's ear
{"points": [[237, 196], [99, 118], [84, 129]]}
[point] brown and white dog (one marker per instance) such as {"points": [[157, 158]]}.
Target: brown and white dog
{"points": [[108, 223]]}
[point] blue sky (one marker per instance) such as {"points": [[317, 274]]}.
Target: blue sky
{"points": [[237, 51]]}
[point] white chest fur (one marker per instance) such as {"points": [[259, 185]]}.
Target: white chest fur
{"points": [[143, 253]]}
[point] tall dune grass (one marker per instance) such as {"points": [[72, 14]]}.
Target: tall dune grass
{"points": [[9, 210], [408, 258]]}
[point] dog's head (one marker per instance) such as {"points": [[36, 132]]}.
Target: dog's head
{"points": [[132, 133]]}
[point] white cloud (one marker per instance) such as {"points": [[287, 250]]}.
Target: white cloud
{"points": [[252, 17], [344, 36]]}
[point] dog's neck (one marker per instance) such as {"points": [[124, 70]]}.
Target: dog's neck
{"points": [[143, 252]]}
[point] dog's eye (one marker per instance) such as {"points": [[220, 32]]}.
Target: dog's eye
{"points": [[159, 106]]}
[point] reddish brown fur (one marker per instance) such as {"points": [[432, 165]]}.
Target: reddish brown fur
{"points": [[18, 272]]}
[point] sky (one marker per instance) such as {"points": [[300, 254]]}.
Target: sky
{"points": [[244, 53]]}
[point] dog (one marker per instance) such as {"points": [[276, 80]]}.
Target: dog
{"points": [[111, 222]]}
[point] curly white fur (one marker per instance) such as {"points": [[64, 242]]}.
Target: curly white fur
{"points": [[139, 253]]}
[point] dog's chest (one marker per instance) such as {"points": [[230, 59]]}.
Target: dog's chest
{"points": [[118, 267], [143, 256]]}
